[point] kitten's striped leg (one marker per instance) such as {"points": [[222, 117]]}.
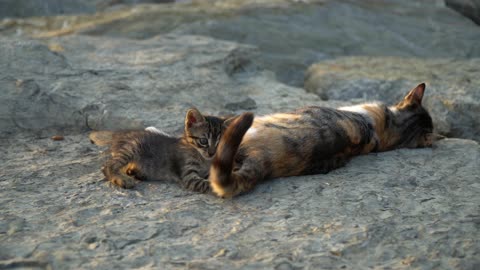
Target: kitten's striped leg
{"points": [[191, 180]]}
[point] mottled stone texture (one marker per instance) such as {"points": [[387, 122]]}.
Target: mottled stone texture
{"points": [[79, 83], [28, 8], [400, 209], [291, 35], [410, 208]]}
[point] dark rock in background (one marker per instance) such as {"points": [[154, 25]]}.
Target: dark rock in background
{"points": [[290, 36], [246, 104], [469, 8], [30, 8]]}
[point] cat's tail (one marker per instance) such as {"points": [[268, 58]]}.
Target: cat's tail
{"points": [[222, 165], [101, 138]]}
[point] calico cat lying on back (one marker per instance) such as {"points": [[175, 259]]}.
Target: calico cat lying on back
{"points": [[314, 140], [153, 155]]}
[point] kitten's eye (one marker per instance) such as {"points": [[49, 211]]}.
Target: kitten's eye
{"points": [[203, 141]]}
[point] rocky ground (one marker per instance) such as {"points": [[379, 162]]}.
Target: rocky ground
{"points": [[145, 65]]}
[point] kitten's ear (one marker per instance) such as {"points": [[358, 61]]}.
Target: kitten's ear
{"points": [[193, 117], [415, 95]]}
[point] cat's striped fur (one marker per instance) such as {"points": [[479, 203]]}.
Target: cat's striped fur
{"points": [[153, 155], [314, 140]]}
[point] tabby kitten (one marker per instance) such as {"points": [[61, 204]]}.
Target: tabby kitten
{"points": [[314, 140], [153, 155]]}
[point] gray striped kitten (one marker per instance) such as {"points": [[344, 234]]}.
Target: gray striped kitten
{"points": [[152, 155]]}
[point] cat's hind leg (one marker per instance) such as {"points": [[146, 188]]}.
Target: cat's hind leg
{"points": [[116, 172]]}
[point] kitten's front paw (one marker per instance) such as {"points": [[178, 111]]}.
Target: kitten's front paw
{"points": [[124, 182]]}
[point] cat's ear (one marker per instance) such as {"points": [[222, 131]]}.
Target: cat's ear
{"points": [[415, 95], [193, 117]]}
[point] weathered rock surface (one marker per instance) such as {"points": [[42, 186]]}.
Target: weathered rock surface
{"points": [[401, 209], [452, 95], [28, 8], [290, 35], [398, 209], [100, 83]]}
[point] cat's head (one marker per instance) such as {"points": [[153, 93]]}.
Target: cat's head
{"points": [[204, 132], [412, 121]]}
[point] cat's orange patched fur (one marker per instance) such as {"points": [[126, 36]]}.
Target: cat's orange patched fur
{"points": [[314, 140]]}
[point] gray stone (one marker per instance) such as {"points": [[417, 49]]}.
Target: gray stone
{"points": [[246, 104], [415, 208], [28, 8], [290, 35], [469, 8], [368, 214], [452, 95], [411, 208], [101, 83]]}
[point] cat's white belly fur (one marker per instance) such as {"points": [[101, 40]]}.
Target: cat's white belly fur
{"points": [[355, 108], [156, 130], [361, 110]]}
